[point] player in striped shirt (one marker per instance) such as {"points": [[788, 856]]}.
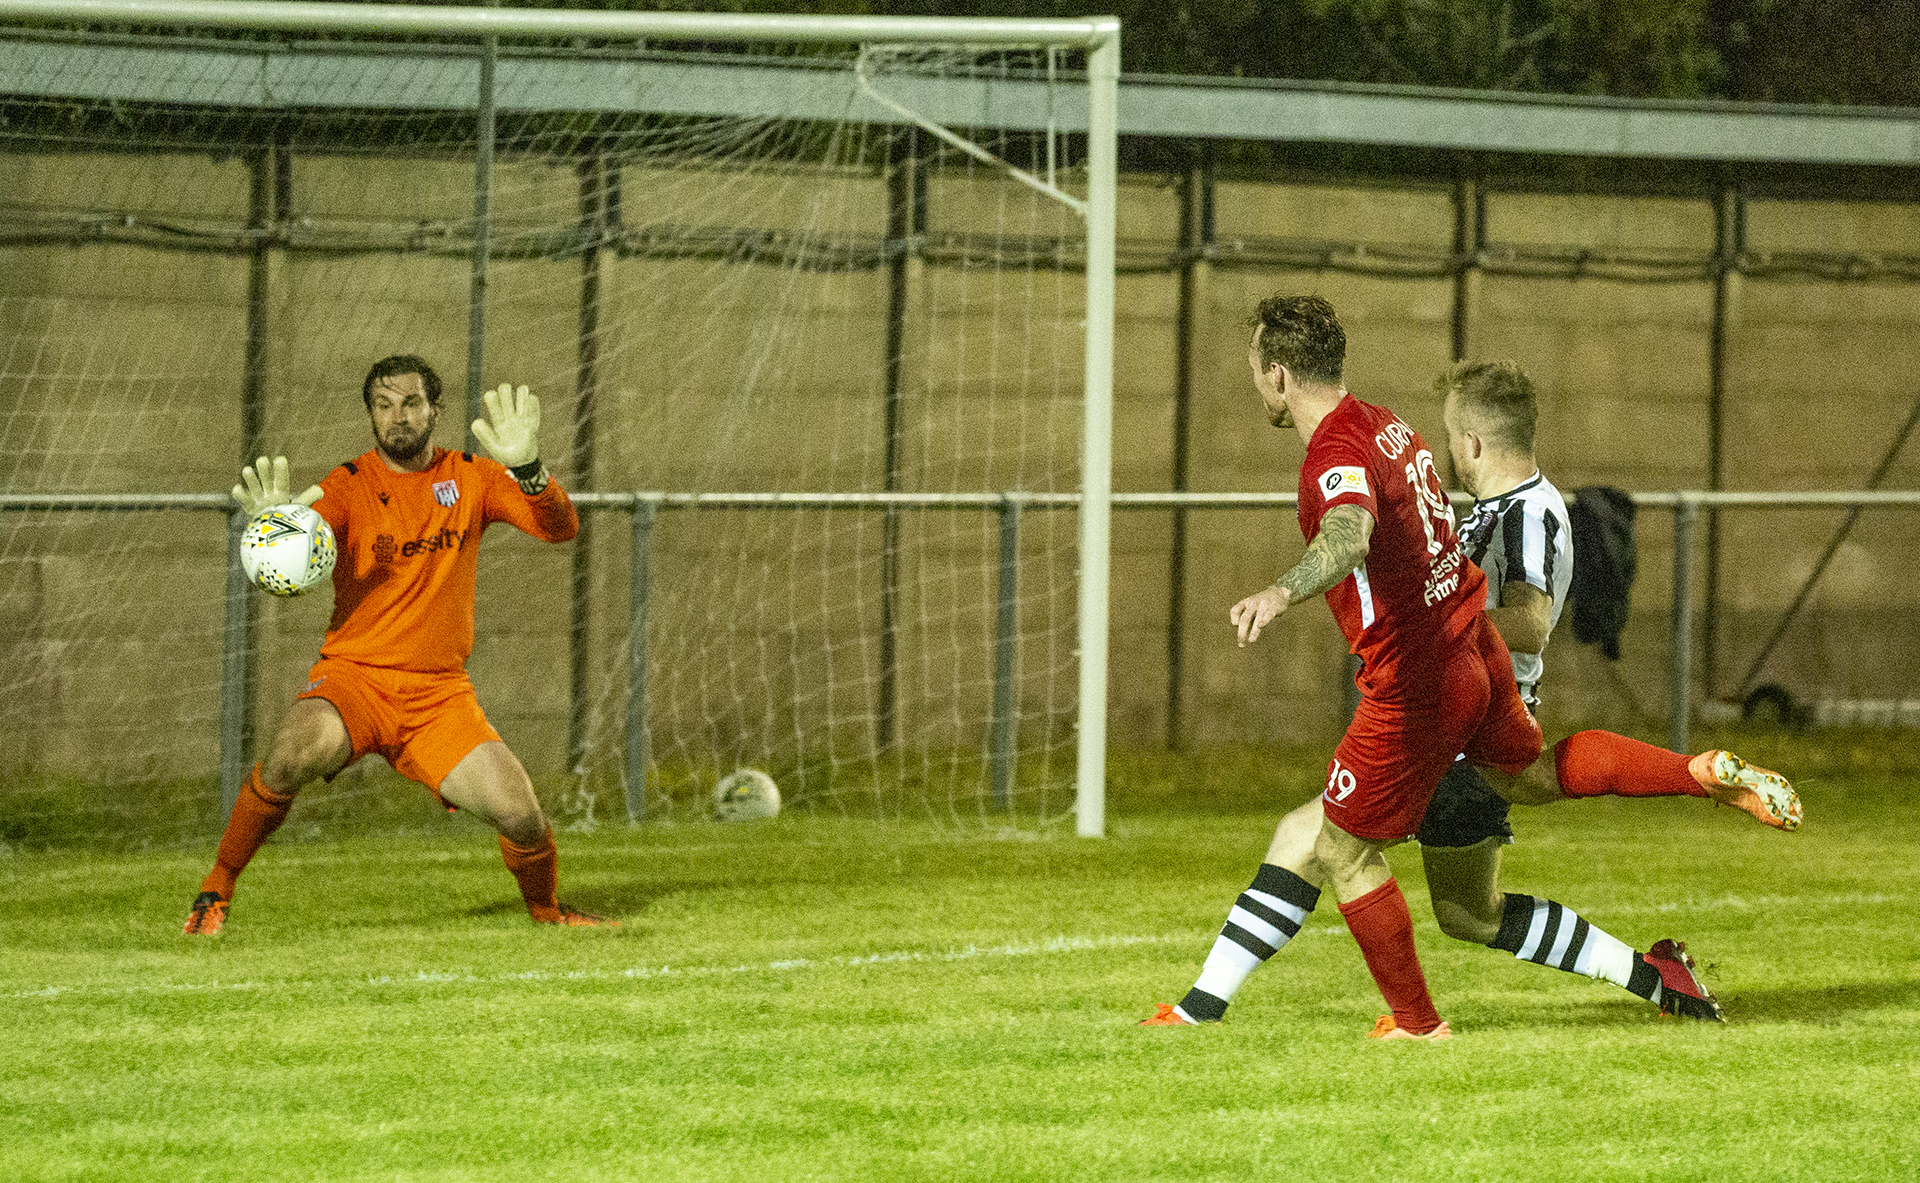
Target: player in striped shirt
{"points": [[1518, 533]]}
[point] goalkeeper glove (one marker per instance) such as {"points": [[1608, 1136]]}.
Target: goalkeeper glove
{"points": [[514, 435], [265, 485]]}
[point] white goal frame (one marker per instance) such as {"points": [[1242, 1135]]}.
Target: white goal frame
{"points": [[1099, 36]]}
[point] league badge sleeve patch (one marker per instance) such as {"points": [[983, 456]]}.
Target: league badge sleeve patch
{"points": [[1336, 481]]}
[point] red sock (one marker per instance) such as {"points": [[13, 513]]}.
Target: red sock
{"points": [[1596, 763], [1379, 920], [257, 813], [537, 867]]}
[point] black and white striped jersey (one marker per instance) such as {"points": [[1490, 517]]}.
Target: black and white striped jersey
{"points": [[1523, 536]]}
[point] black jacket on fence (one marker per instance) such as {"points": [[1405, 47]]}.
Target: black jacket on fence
{"points": [[1603, 565]]}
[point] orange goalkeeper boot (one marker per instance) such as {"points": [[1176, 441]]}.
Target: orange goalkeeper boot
{"points": [[208, 917]]}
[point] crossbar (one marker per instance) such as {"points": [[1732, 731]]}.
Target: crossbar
{"points": [[469, 21]]}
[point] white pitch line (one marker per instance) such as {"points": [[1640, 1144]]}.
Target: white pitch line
{"points": [[1736, 903], [1063, 944]]}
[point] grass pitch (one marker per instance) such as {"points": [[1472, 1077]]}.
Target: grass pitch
{"points": [[819, 998]]}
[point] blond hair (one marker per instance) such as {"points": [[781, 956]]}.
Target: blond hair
{"points": [[1496, 399]]}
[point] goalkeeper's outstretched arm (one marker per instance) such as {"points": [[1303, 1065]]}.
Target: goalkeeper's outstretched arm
{"points": [[513, 438], [265, 483]]}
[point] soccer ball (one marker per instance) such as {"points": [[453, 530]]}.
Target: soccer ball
{"points": [[287, 549], [745, 795]]}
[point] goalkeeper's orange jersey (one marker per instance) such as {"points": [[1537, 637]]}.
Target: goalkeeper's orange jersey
{"points": [[403, 587]]}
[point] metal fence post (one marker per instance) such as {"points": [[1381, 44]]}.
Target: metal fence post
{"points": [[639, 740], [1005, 650], [595, 187], [1680, 697], [482, 216], [1006, 626], [235, 666], [1729, 245], [906, 218]]}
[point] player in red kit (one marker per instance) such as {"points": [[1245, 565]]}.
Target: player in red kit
{"points": [[392, 677], [1518, 538], [1435, 679]]}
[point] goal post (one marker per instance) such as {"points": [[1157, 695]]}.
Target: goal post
{"points": [[1096, 489], [570, 85]]}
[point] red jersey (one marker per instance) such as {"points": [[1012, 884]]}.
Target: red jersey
{"points": [[1417, 594], [403, 588]]}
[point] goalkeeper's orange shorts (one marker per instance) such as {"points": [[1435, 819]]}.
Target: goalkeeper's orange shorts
{"points": [[423, 724]]}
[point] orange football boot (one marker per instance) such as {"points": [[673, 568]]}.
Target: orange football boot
{"points": [[1759, 791], [1385, 1028], [573, 917], [1164, 1015]]}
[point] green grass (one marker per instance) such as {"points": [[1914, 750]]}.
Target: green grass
{"points": [[818, 998]]}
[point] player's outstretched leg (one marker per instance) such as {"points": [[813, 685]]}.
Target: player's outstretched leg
{"points": [[1599, 763], [1551, 934], [257, 813], [1261, 922]]}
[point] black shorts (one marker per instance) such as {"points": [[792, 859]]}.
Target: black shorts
{"points": [[1465, 811]]}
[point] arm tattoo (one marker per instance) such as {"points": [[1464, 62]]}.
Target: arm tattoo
{"points": [[1340, 547], [533, 484]]}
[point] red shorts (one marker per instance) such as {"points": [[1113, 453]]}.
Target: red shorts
{"points": [[423, 724], [1402, 741]]}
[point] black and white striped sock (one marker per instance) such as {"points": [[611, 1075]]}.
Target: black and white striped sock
{"points": [[1546, 933], [1263, 919]]}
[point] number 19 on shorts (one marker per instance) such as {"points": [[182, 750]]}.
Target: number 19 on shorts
{"points": [[1340, 783]]}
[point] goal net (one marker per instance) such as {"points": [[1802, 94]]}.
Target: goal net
{"points": [[809, 321]]}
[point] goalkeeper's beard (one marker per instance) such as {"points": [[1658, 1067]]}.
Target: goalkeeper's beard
{"points": [[402, 446]]}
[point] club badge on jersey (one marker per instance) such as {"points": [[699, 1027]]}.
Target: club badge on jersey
{"points": [[446, 492]]}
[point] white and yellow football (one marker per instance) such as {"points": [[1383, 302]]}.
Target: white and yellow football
{"points": [[287, 549], [745, 795]]}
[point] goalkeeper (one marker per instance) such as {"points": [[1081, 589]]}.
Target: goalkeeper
{"points": [[392, 677]]}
